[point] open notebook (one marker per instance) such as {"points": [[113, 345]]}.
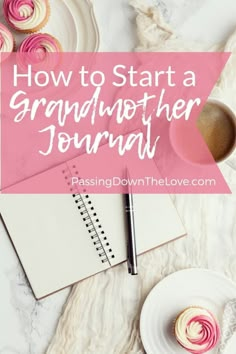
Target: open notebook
{"points": [[64, 238]]}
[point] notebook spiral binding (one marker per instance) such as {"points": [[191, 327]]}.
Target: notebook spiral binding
{"points": [[90, 217]]}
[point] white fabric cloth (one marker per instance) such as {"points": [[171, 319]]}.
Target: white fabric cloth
{"points": [[102, 313], [228, 325]]}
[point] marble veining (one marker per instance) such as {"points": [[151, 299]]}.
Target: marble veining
{"points": [[171, 10], [26, 325]]}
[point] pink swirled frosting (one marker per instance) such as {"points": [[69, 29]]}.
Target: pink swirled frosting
{"points": [[197, 330], [6, 40], [40, 43], [25, 14]]}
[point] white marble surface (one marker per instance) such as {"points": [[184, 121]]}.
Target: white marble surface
{"points": [[26, 325]]}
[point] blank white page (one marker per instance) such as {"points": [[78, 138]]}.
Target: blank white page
{"points": [[51, 240]]}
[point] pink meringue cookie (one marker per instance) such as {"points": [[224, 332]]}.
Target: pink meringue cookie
{"points": [[197, 330]]}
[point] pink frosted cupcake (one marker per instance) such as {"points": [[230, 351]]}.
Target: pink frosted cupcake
{"points": [[26, 16], [39, 50], [7, 42], [197, 330], [40, 43]]}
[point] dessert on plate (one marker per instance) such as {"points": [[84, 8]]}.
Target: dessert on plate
{"points": [[7, 42], [197, 330], [26, 16]]}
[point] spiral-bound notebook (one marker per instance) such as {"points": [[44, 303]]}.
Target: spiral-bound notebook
{"points": [[64, 238]]}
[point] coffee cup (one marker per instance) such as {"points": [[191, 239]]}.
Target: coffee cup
{"points": [[217, 126]]}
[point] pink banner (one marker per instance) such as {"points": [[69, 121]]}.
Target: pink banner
{"points": [[76, 121]]}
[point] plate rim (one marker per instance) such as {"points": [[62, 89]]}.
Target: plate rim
{"points": [[94, 24], [187, 270]]}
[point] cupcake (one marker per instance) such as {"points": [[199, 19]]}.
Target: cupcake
{"points": [[7, 42], [26, 16], [197, 330], [39, 49], [40, 43]]}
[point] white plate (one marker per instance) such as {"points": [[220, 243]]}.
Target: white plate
{"points": [[174, 293], [73, 23]]}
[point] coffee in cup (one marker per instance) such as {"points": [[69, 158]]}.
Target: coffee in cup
{"points": [[217, 126]]}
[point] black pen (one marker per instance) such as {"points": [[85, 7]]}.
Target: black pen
{"points": [[131, 239]]}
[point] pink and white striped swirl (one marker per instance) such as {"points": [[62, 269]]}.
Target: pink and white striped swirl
{"points": [[25, 15], [41, 50], [197, 330], [6, 40], [40, 43]]}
